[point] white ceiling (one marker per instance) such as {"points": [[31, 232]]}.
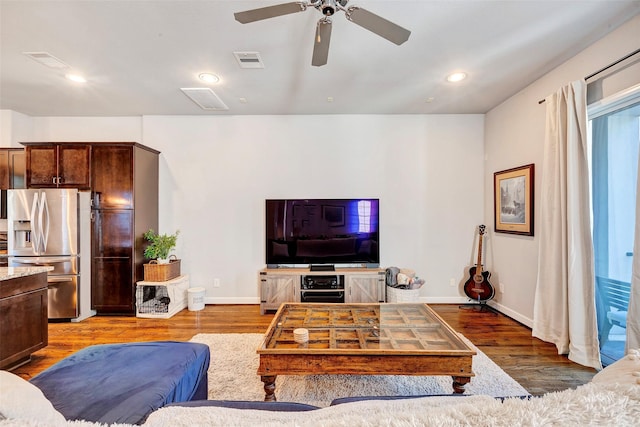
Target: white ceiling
{"points": [[136, 55]]}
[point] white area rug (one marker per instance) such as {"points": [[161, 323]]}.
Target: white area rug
{"points": [[234, 363]]}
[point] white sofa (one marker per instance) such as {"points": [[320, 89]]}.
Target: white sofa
{"points": [[612, 398]]}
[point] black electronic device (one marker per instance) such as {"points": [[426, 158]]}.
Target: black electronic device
{"points": [[322, 232], [322, 289], [322, 282]]}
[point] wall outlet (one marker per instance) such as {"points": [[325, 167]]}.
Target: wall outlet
{"points": [[216, 283], [501, 287], [452, 282]]}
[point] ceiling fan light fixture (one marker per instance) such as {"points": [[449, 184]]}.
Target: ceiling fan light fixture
{"points": [[456, 77], [365, 19], [327, 7]]}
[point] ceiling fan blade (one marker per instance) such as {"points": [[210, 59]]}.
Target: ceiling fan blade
{"points": [[378, 25], [269, 12], [321, 42]]}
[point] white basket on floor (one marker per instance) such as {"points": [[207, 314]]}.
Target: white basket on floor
{"points": [[402, 295]]}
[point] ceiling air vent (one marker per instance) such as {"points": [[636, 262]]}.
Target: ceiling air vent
{"points": [[249, 59], [46, 59], [205, 98]]}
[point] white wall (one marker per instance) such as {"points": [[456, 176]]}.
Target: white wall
{"points": [[17, 127], [514, 136], [14, 127], [216, 172]]}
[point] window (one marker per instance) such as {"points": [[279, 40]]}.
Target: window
{"points": [[614, 129], [364, 216]]}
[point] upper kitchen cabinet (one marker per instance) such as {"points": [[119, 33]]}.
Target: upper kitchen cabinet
{"points": [[59, 165], [12, 168], [112, 176]]}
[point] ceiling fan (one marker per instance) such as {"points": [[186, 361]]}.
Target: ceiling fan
{"points": [[372, 22]]}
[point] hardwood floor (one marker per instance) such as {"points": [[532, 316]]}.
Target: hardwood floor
{"points": [[533, 363]]}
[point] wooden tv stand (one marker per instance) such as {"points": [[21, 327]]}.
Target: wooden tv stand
{"points": [[280, 285]]}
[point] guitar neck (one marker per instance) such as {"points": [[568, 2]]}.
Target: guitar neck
{"points": [[479, 263]]}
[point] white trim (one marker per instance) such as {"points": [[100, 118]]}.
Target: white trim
{"points": [[427, 300], [614, 102], [232, 300]]}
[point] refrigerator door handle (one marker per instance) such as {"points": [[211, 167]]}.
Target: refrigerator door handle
{"points": [[54, 279], [44, 261], [35, 235], [44, 221]]}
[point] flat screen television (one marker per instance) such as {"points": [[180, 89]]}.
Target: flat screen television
{"points": [[322, 231]]}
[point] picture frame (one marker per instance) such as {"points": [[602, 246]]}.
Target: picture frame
{"points": [[513, 195]]}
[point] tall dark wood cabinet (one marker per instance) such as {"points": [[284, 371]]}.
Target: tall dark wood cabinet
{"points": [[123, 180], [124, 183]]}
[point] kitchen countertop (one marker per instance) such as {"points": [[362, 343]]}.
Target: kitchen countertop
{"points": [[7, 273]]}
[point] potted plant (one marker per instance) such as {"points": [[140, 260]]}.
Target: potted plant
{"points": [[159, 245]]}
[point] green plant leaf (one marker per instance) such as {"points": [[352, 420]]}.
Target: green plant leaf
{"points": [[159, 244]]}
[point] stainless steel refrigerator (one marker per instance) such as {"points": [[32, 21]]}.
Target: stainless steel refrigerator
{"points": [[44, 230]]}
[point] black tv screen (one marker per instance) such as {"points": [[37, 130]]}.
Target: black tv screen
{"points": [[322, 231]]}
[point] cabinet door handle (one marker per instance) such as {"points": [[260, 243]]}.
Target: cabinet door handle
{"points": [[54, 179]]}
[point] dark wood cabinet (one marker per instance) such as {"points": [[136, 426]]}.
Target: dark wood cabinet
{"points": [[112, 190], [12, 168], [23, 318], [124, 189], [63, 165], [123, 180], [4, 169], [112, 267]]}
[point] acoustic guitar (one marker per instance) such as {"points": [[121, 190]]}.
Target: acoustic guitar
{"points": [[477, 287]]}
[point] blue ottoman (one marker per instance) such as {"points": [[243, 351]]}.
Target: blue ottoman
{"points": [[124, 383]]}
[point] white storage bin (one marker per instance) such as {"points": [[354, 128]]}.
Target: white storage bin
{"points": [[196, 298], [402, 295], [161, 300]]}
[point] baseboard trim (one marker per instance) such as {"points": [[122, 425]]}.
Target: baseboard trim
{"points": [[427, 300], [232, 300]]}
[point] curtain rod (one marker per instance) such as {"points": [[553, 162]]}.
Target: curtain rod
{"points": [[635, 52]]}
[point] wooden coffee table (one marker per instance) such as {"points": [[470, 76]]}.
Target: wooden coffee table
{"points": [[362, 339]]}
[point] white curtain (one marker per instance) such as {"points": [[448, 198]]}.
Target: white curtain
{"points": [[564, 308], [633, 316]]}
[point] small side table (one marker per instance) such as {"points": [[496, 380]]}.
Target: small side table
{"points": [[161, 300]]}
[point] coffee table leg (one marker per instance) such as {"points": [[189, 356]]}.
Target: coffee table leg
{"points": [[269, 387], [459, 384]]}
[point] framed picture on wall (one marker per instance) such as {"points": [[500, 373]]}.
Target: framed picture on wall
{"points": [[513, 200]]}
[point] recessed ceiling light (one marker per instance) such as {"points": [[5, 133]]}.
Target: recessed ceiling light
{"points": [[456, 77], [209, 77], [76, 78], [429, 100]]}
